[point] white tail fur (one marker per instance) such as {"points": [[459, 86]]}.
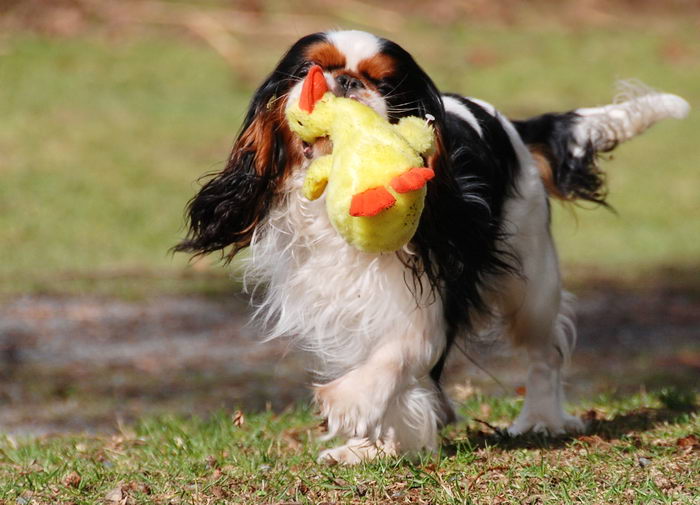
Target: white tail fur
{"points": [[636, 109]]}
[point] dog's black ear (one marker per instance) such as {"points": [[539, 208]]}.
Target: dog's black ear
{"points": [[227, 209]]}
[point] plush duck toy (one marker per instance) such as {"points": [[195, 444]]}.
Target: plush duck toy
{"points": [[375, 181]]}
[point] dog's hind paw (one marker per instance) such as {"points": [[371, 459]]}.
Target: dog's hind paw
{"points": [[561, 424]]}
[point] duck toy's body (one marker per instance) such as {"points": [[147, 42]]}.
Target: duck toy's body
{"points": [[374, 180]]}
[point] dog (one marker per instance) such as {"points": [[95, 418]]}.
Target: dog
{"points": [[381, 326]]}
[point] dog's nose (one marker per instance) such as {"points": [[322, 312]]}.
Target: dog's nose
{"points": [[348, 83]]}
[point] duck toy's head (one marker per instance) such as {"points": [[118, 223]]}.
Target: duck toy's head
{"points": [[375, 179]]}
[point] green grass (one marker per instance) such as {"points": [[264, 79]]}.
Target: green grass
{"points": [[101, 140], [640, 450], [653, 180], [101, 144]]}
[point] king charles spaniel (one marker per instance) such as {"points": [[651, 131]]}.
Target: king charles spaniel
{"points": [[381, 325]]}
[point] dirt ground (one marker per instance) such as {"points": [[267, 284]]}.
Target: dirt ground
{"points": [[89, 364]]}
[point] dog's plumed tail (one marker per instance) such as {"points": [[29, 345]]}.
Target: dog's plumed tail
{"points": [[566, 145], [635, 110]]}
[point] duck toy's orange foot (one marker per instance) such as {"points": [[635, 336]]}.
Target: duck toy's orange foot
{"points": [[371, 202], [376, 200], [412, 180]]}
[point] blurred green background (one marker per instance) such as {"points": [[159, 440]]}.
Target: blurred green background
{"points": [[110, 111]]}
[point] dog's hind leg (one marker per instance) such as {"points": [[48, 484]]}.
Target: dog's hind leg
{"points": [[547, 351], [541, 323]]}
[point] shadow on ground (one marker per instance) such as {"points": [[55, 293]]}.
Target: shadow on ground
{"points": [[86, 364], [599, 431]]}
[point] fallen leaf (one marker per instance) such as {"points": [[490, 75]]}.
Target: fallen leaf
{"points": [[593, 440], [688, 444], [115, 495], [72, 479], [238, 419], [137, 486]]}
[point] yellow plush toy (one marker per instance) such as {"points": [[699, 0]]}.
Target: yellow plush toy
{"points": [[375, 178]]}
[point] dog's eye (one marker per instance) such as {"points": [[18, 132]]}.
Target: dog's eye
{"points": [[303, 69], [385, 87]]}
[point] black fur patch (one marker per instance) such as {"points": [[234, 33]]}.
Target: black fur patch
{"points": [[575, 177], [229, 206], [409, 91], [463, 223], [457, 236], [457, 241]]}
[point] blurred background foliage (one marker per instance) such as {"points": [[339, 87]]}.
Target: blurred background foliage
{"points": [[111, 111]]}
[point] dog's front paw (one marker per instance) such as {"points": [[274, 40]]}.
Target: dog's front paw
{"points": [[356, 451], [349, 407], [552, 425]]}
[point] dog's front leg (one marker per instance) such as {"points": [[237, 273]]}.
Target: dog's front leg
{"points": [[355, 403], [388, 404]]}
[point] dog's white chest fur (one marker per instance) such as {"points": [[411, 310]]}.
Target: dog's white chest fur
{"points": [[337, 301]]}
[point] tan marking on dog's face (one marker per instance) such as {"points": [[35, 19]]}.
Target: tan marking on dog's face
{"points": [[377, 67], [326, 55]]}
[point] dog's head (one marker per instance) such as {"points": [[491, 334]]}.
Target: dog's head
{"points": [[356, 65]]}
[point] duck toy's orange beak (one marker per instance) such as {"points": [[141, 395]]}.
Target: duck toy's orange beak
{"points": [[314, 88]]}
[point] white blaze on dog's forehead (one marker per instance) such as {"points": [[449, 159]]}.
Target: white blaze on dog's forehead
{"points": [[355, 45]]}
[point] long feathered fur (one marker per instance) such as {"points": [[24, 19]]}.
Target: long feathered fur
{"points": [[230, 206], [381, 325], [571, 142]]}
